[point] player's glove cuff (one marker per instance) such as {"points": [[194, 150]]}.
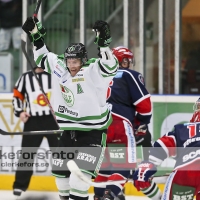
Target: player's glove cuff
{"points": [[103, 42]]}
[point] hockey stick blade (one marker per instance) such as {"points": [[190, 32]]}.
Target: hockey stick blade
{"points": [[73, 168], [2, 132]]}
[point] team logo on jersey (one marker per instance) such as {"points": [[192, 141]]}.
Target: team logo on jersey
{"points": [[67, 95], [79, 89], [141, 78], [41, 99]]}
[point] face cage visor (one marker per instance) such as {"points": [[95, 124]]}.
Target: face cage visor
{"points": [[196, 106], [129, 62]]}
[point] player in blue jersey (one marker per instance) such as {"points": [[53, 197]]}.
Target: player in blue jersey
{"points": [[183, 143], [131, 109]]}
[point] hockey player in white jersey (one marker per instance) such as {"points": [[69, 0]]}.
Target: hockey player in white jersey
{"points": [[79, 96]]}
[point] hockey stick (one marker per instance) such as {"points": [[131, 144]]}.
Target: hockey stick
{"points": [[73, 168], [23, 46], [37, 8], [2, 132]]}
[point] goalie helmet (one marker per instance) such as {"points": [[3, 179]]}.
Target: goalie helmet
{"points": [[196, 106], [123, 53], [76, 50]]}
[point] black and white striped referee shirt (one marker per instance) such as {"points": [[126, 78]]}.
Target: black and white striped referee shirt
{"points": [[28, 96]]}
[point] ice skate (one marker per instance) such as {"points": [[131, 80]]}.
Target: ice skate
{"points": [[108, 195]]}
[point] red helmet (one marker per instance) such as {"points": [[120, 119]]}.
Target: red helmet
{"points": [[122, 52]]}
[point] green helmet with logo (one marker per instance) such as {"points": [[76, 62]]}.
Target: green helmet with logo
{"points": [[76, 50]]}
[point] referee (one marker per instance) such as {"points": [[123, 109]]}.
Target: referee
{"points": [[30, 106]]}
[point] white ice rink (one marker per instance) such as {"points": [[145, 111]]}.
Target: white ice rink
{"points": [[33, 195]]}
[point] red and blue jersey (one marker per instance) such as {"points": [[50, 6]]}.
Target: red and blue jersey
{"points": [[129, 98], [183, 143], [195, 117]]}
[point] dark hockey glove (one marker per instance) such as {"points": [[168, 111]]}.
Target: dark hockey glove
{"points": [[143, 175], [140, 130], [102, 29], [34, 29]]}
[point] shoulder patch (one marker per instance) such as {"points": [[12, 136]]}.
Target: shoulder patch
{"points": [[141, 78]]}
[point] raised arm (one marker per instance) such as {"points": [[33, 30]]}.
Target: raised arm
{"points": [[43, 58], [108, 64]]}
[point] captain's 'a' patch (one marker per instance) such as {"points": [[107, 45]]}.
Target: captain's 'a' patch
{"points": [[79, 89]]}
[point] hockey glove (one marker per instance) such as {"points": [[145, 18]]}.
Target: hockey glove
{"points": [[34, 29], [140, 130], [102, 29], [143, 174]]}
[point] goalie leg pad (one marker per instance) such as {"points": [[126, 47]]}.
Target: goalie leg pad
{"points": [[63, 187], [79, 188]]}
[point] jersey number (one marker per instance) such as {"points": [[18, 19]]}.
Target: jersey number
{"points": [[192, 130], [109, 90]]}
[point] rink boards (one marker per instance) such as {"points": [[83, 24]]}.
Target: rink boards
{"points": [[167, 111], [47, 183]]}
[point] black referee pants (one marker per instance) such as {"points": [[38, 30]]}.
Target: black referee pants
{"points": [[22, 177]]}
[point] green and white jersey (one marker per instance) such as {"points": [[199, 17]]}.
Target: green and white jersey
{"points": [[79, 102]]}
